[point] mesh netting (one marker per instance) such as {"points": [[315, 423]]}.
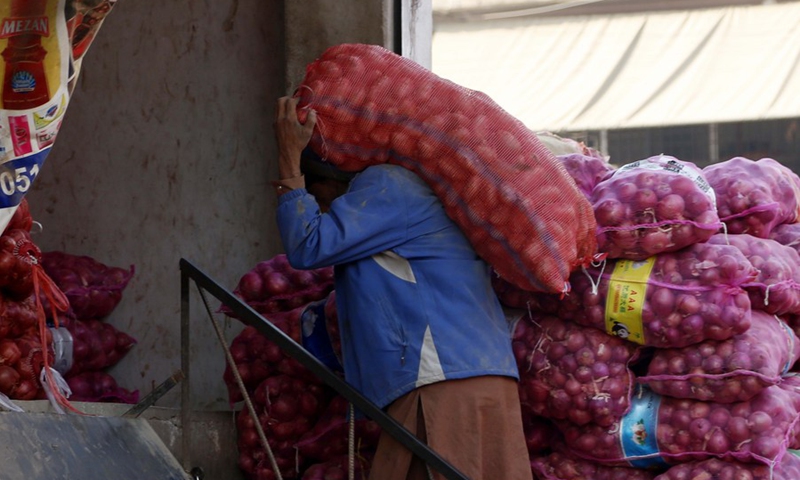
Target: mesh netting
{"points": [[514, 200]]}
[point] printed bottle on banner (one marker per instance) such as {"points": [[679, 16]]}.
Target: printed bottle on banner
{"points": [[25, 83]]}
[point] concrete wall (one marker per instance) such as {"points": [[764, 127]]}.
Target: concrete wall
{"points": [[166, 153]]}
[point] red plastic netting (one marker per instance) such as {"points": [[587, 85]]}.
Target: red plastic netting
{"points": [[514, 200]]}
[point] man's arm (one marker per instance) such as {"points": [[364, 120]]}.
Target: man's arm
{"points": [[292, 137]]}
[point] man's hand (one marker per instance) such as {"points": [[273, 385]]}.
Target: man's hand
{"points": [[292, 136]]}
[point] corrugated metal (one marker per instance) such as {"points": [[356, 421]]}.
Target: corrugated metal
{"points": [[635, 70]]}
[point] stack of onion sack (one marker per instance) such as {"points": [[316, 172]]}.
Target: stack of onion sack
{"points": [[727, 371], [715, 469], [327, 443], [275, 286], [22, 333], [287, 408], [258, 358], [669, 300], [513, 199], [289, 399], [659, 204], [660, 431], [85, 345], [95, 347], [571, 372], [280, 293], [754, 197]]}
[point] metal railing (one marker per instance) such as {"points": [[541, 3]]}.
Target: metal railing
{"points": [[250, 317]]}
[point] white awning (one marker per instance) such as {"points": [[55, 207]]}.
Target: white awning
{"points": [[631, 70]]}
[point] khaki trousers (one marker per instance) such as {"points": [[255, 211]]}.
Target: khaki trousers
{"points": [[474, 424]]}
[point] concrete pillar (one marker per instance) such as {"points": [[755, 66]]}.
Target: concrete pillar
{"points": [[403, 26]]}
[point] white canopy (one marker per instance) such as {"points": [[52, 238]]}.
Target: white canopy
{"points": [[631, 70]]}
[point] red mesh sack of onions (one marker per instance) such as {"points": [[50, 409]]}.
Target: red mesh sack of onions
{"points": [[716, 469], [669, 300], [659, 204], [587, 171], [565, 466], [21, 361], [374, 106], [329, 437], [18, 317], [18, 255], [754, 196], [660, 430], [94, 289], [275, 286], [99, 387], [21, 219], [97, 345], [286, 408], [572, 372], [775, 289], [727, 371], [257, 358]]}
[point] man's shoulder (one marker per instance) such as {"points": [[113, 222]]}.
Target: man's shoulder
{"points": [[390, 173]]}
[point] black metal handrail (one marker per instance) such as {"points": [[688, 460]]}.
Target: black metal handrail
{"points": [[250, 317]]}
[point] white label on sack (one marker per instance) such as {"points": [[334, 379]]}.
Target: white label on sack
{"points": [[671, 164]]}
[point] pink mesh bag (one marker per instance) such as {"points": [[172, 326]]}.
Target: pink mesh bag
{"points": [[660, 430], [775, 289], [732, 370], [572, 372], [754, 196], [669, 300], [659, 204], [562, 465], [516, 203], [716, 469]]}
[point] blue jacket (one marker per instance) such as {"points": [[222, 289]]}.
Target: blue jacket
{"points": [[415, 302]]}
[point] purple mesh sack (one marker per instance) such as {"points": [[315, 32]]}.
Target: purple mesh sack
{"points": [[659, 204], [660, 430], [775, 289], [564, 466], [586, 170], [669, 300], [732, 370], [754, 196], [716, 469], [572, 372], [787, 234]]}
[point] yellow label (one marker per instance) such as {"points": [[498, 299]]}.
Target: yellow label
{"points": [[627, 290]]}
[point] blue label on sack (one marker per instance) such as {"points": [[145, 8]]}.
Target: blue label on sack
{"points": [[637, 430]]}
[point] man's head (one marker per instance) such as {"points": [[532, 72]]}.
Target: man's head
{"points": [[323, 179]]}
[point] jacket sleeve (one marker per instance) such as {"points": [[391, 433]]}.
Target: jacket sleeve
{"points": [[370, 218]]}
